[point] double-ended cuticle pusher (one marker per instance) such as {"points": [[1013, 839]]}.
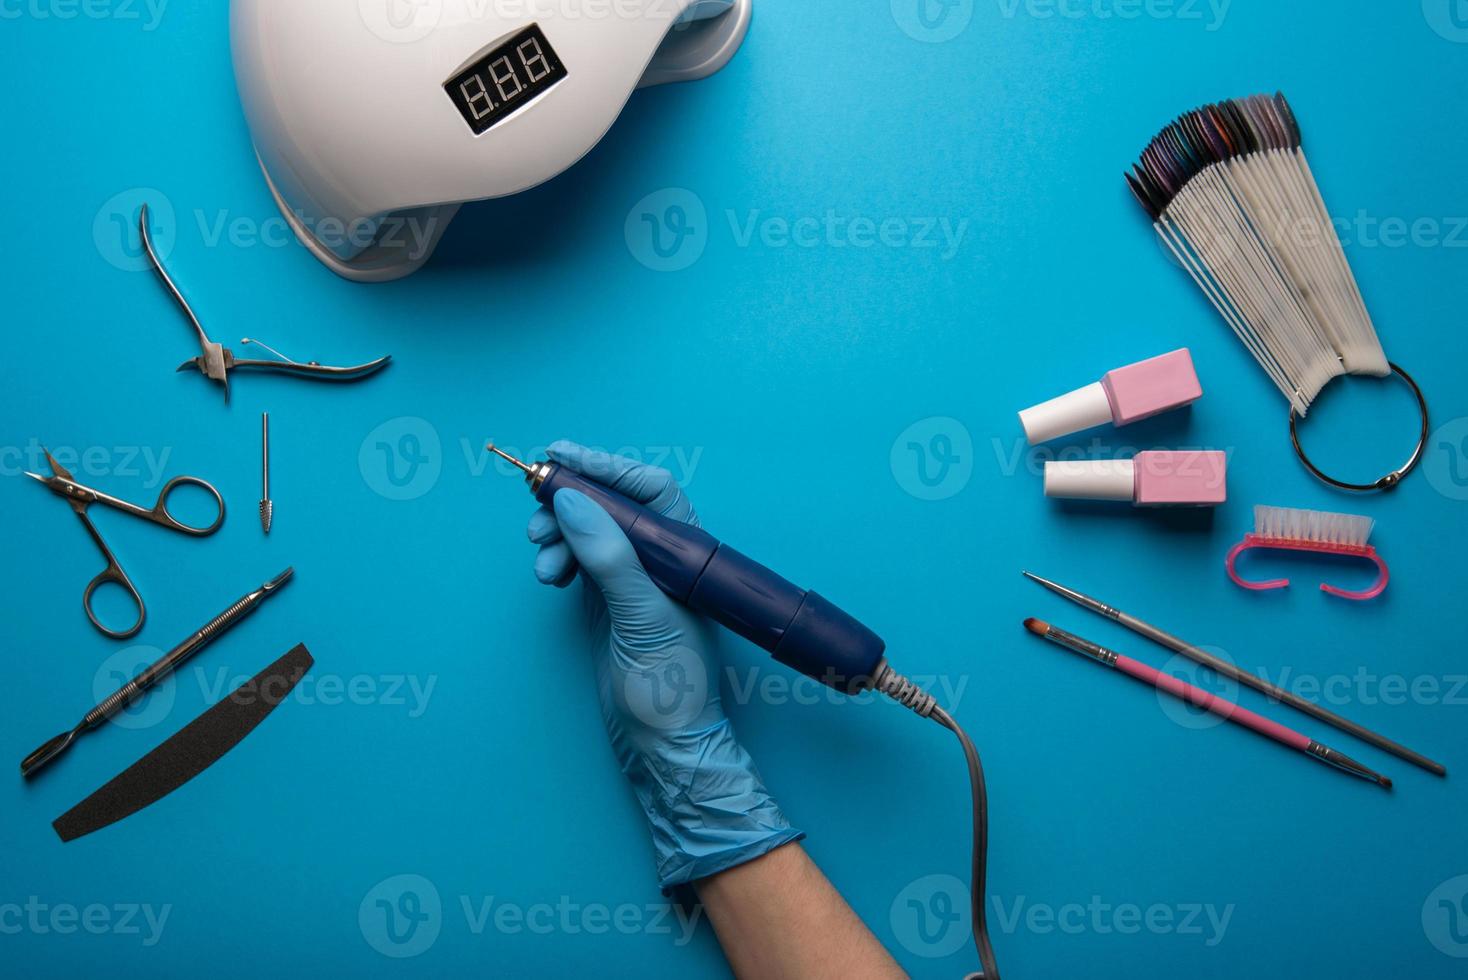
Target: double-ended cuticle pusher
{"points": [[160, 669]]}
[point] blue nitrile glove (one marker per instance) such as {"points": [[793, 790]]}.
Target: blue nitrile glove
{"points": [[657, 678]]}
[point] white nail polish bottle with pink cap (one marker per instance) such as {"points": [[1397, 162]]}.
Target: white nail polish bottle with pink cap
{"points": [[1156, 478], [1127, 394]]}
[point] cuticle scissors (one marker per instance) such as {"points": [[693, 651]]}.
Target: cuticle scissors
{"points": [[81, 497]]}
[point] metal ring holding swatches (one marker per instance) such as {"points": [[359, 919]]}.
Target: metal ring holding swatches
{"points": [[1395, 476]]}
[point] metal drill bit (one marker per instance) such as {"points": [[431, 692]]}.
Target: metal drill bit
{"points": [[535, 473], [267, 506], [507, 457], [160, 669]]}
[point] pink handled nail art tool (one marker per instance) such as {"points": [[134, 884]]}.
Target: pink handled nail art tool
{"points": [[1200, 698]]}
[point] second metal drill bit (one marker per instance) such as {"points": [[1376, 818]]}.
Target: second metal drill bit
{"points": [[267, 506]]}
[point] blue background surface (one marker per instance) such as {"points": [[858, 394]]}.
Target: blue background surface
{"points": [[779, 382]]}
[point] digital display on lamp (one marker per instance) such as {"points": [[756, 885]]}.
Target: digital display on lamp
{"points": [[505, 79]]}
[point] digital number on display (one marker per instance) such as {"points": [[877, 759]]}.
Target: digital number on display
{"points": [[505, 79]]}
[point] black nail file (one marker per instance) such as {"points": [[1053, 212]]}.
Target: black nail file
{"points": [[190, 751]]}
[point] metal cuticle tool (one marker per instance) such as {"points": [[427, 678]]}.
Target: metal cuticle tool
{"points": [[217, 361], [156, 672], [267, 506]]}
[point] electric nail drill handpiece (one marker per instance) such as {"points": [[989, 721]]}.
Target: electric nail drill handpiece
{"points": [[802, 630], [799, 628]]}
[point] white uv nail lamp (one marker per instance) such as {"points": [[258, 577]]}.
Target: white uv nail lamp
{"points": [[373, 120]]}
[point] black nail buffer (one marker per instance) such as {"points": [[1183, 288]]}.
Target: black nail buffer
{"points": [[190, 751]]}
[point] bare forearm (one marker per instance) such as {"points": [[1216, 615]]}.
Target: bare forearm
{"points": [[777, 916]]}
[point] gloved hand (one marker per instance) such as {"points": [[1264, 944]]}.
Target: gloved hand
{"points": [[657, 678]]}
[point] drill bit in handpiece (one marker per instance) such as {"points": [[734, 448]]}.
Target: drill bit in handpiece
{"points": [[523, 467], [160, 669], [267, 506]]}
